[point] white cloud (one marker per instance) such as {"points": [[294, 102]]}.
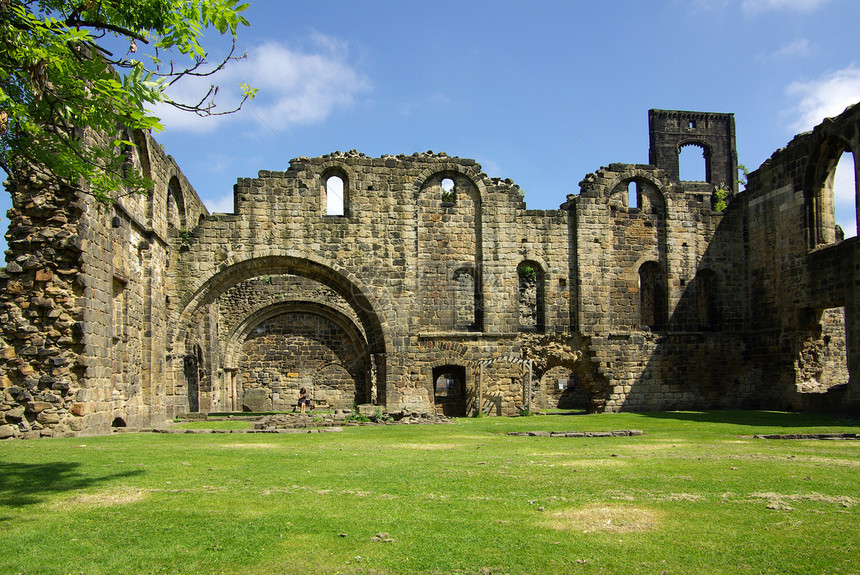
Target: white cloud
{"points": [[755, 7], [220, 204], [758, 6], [295, 86], [824, 97], [799, 47]]}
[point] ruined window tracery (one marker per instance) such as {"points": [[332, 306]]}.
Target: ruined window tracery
{"points": [[637, 195]]}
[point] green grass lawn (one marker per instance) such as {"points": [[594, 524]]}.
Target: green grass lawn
{"points": [[695, 494]]}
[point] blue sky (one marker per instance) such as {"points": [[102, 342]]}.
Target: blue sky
{"points": [[542, 92]]}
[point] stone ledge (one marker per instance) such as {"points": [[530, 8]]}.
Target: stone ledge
{"points": [[817, 436], [616, 433], [236, 431]]}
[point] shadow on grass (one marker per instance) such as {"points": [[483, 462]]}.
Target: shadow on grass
{"points": [[27, 484], [756, 418], [566, 412]]}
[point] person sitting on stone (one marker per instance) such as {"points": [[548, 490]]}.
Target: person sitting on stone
{"points": [[303, 400]]}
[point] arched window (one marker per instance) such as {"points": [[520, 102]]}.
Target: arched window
{"points": [[843, 182], [832, 204], [652, 296], [694, 163], [449, 194], [531, 296], [175, 205], [335, 199], [633, 194]]}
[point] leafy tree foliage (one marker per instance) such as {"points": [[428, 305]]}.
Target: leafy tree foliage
{"points": [[62, 89]]}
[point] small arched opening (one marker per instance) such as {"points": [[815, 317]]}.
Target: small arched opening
{"points": [[334, 195], [175, 205], [633, 195], [449, 192]]}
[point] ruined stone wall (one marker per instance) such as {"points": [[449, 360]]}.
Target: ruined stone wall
{"points": [[94, 337], [418, 282], [41, 314], [128, 249], [803, 290], [394, 256], [645, 240]]}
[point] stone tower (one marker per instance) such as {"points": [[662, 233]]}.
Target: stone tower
{"points": [[714, 134]]}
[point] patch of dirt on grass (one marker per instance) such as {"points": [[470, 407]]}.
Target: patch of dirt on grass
{"points": [[650, 447], [428, 446], [641, 494], [678, 497], [779, 500], [613, 462], [605, 518], [106, 498], [798, 459]]}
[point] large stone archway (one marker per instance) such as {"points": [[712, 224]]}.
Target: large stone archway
{"points": [[270, 326], [286, 346]]}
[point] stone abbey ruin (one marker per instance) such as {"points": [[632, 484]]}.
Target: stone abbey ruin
{"points": [[418, 282]]}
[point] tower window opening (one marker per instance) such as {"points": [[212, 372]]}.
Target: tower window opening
{"points": [[693, 163]]}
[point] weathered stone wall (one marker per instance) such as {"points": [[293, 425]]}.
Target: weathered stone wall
{"points": [[410, 294], [300, 349], [85, 303], [41, 314], [802, 281]]}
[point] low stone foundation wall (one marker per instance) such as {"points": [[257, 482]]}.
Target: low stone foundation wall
{"points": [[616, 433], [820, 436]]}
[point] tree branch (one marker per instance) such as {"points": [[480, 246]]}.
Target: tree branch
{"points": [[75, 23]]}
